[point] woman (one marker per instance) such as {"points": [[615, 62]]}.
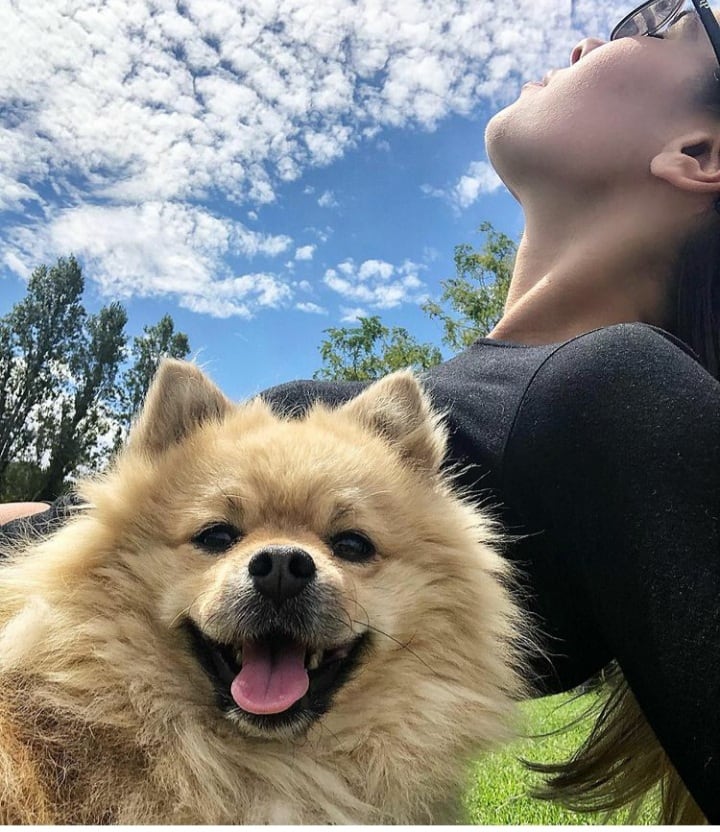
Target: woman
{"points": [[583, 417]]}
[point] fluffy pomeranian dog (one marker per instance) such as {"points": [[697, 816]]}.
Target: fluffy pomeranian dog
{"points": [[258, 620]]}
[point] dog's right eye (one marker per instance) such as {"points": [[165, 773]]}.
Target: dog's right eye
{"points": [[217, 538]]}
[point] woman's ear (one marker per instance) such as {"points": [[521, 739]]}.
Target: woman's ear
{"points": [[690, 163]]}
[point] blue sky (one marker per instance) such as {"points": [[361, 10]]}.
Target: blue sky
{"points": [[264, 170]]}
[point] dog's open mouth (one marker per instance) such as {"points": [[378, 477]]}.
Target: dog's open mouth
{"points": [[276, 680]]}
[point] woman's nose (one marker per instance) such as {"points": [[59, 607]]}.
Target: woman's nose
{"points": [[586, 45]]}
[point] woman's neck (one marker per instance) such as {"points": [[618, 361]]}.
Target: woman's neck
{"points": [[567, 281]]}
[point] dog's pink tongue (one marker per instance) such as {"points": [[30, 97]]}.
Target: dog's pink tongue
{"points": [[271, 680]]}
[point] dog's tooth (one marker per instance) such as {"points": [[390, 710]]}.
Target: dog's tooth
{"points": [[314, 660], [239, 655]]}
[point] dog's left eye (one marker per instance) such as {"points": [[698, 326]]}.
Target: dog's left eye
{"points": [[352, 546], [217, 538]]}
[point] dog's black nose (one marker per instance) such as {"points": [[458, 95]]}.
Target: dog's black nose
{"points": [[281, 572]]}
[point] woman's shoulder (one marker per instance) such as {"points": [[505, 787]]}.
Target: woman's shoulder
{"points": [[293, 398], [634, 338], [628, 378], [626, 355]]}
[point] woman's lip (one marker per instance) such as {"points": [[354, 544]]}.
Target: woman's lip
{"points": [[533, 84]]}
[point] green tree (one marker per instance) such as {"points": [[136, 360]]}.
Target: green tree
{"points": [[472, 301], [371, 350], [146, 352], [72, 436], [470, 305], [63, 397], [22, 481], [36, 337]]}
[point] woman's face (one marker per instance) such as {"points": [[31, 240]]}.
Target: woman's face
{"points": [[606, 115]]}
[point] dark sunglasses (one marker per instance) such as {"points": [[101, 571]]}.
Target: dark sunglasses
{"points": [[657, 16]]}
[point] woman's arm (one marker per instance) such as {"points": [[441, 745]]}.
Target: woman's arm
{"points": [[614, 464], [13, 511]]}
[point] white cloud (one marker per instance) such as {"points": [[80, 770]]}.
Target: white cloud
{"points": [[240, 296], [351, 315], [327, 200], [305, 252], [375, 268], [480, 178], [164, 100], [313, 308], [15, 195], [376, 283], [158, 249], [111, 106]]}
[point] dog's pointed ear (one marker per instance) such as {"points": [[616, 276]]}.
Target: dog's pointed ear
{"points": [[180, 399], [397, 409]]}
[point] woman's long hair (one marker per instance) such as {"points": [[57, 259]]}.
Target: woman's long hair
{"points": [[619, 765], [697, 321], [697, 269]]}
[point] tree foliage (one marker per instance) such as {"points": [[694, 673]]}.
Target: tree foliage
{"points": [[472, 301], [72, 427], [35, 337], [470, 305], [371, 350], [146, 352], [62, 392]]}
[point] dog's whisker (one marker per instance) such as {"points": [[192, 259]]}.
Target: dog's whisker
{"points": [[184, 613], [354, 596], [322, 723], [350, 619], [366, 613], [346, 621], [401, 644]]}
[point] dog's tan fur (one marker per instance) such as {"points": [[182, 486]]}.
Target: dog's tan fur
{"points": [[105, 713]]}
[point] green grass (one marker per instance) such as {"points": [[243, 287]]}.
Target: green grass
{"points": [[499, 795]]}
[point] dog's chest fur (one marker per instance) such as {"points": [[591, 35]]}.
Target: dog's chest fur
{"points": [[91, 777]]}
